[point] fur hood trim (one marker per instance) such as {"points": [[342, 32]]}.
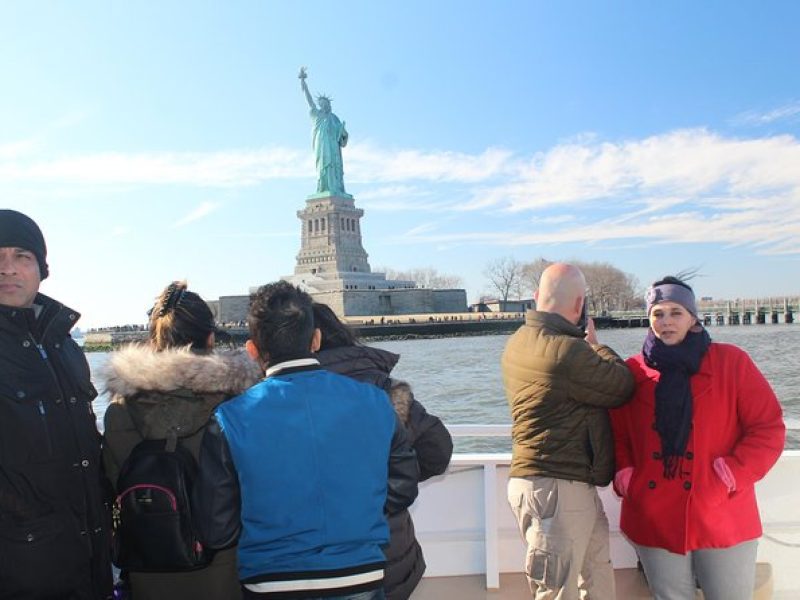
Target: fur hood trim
{"points": [[138, 368]]}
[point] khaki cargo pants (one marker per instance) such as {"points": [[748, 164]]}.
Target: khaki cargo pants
{"points": [[566, 529]]}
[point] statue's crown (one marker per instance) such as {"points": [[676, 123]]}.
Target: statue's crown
{"points": [[324, 97]]}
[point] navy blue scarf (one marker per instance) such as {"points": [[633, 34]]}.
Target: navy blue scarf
{"points": [[674, 392]]}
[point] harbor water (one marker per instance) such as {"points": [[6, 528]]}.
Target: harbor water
{"points": [[459, 379]]}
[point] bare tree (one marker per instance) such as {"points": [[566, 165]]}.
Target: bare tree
{"points": [[608, 288], [426, 277], [505, 277], [532, 274]]}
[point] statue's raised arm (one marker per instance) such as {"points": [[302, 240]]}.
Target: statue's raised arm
{"points": [[328, 136], [302, 76]]}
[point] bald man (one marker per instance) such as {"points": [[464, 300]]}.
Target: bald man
{"points": [[559, 382]]}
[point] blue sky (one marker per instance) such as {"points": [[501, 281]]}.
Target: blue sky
{"points": [[155, 141]]}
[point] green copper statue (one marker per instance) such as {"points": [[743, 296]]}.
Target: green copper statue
{"points": [[328, 137]]}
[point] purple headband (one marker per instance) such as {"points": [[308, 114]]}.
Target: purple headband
{"points": [[671, 292]]}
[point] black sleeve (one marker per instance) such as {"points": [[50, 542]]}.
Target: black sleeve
{"points": [[403, 472], [216, 500], [430, 440]]}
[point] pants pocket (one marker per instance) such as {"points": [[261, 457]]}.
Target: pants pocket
{"points": [[544, 497], [548, 560]]}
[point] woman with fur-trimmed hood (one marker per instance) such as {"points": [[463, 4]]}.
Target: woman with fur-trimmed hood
{"points": [[171, 386], [341, 353]]}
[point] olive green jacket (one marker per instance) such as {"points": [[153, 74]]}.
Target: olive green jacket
{"points": [[559, 388]]}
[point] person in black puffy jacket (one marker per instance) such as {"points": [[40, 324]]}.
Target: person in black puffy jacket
{"points": [[341, 352], [54, 498]]}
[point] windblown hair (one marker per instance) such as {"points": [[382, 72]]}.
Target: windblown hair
{"points": [[180, 318], [335, 334], [675, 280], [281, 322]]}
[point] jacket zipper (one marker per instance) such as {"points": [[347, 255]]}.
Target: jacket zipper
{"points": [[150, 486], [43, 417], [93, 508], [41, 408]]}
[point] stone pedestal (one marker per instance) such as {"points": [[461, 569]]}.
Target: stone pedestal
{"points": [[333, 266]]}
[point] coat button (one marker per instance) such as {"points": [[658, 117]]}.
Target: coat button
{"points": [[689, 455], [84, 463], [20, 394], [57, 345], [657, 455], [26, 344], [687, 485], [651, 484], [30, 537], [72, 399]]}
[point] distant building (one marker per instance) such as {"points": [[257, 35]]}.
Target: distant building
{"points": [[511, 306]]}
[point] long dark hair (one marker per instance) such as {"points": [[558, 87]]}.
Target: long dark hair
{"points": [[335, 334], [180, 318]]}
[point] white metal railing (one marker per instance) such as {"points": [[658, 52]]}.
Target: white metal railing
{"points": [[777, 494], [489, 463], [479, 430]]}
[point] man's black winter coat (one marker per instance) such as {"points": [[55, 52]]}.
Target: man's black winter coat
{"points": [[54, 518]]}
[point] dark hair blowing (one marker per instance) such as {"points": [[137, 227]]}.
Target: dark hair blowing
{"points": [[673, 280], [180, 318], [281, 322], [335, 334]]}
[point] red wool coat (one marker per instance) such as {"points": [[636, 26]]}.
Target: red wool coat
{"points": [[736, 416]]}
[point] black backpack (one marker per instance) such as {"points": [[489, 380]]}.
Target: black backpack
{"points": [[153, 529]]}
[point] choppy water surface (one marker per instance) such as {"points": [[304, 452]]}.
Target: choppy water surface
{"points": [[459, 379]]}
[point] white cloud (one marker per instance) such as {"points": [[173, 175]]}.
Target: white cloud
{"points": [[365, 162], [14, 150], [216, 169], [751, 117], [205, 209], [422, 228], [688, 185]]}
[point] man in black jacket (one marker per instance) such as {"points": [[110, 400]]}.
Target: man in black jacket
{"points": [[54, 536]]}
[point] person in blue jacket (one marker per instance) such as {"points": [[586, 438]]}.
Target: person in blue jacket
{"points": [[303, 467]]}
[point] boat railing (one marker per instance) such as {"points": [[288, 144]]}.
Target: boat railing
{"points": [[466, 527]]}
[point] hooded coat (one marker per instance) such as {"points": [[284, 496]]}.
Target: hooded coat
{"points": [[405, 564], [154, 394]]}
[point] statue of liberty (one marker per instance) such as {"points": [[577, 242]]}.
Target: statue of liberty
{"points": [[328, 138]]}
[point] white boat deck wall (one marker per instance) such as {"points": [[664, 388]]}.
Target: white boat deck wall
{"points": [[461, 537]]}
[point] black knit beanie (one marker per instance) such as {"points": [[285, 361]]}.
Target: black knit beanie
{"points": [[20, 231]]}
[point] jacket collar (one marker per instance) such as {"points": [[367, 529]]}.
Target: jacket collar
{"points": [[51, 317], [553, 321], [292, 366], [339, 359]]}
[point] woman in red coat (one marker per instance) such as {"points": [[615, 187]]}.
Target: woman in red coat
{"points": [[703, 426]]}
